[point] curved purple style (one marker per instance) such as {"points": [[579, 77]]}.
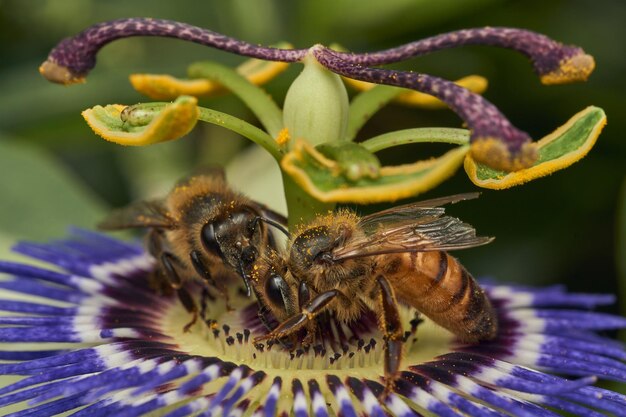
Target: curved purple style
{"points": [[546, 55], [72, 59], [483, 118], [495, 141]]}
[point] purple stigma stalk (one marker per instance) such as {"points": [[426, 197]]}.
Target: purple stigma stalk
{"points": [[72, 59], [551, 60], [496, 139]]}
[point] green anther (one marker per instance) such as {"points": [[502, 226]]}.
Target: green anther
{"points": [[140, 114], [354, 160]]}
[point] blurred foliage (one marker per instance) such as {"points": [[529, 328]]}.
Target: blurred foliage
{"points": [[560, 229], [43, 193]]}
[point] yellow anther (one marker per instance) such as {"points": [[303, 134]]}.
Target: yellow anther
{"points": [[171, 122], [560, 149], [283, 137], [315, 174]]}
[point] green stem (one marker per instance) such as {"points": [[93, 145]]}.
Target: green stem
{"points": [[301, 206], [418, 135], [245, 129], [364, 105], [261, 104]]}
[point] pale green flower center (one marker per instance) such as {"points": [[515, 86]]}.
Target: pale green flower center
{"points": [[423, 344]]}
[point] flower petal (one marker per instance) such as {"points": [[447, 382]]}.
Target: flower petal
{"points": [[320, 176], [171, 122], [560, 149], [136, 362]]}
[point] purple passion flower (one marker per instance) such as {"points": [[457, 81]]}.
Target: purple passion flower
{"points": [[87, 336]]}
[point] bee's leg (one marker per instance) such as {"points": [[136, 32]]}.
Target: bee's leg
{"points": [[168, 260], [154, 242], [262, 314], [157, 280], [190, 305], [304, 295], [204, 296], [205, 273], [391, 327], [302, 319]]}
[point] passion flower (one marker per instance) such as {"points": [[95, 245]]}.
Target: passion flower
{"points": [[88, 336], [316, 108]]}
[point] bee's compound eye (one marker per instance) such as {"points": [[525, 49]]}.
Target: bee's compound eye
{"points": [[209, 240], [275, 287]]}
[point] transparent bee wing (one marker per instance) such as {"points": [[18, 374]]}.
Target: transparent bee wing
{"points": [[418, 211], [415, 227], [139, 214]]}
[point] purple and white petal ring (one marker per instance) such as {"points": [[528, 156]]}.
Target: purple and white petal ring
{"points": [[495, 141], [87, 336]]}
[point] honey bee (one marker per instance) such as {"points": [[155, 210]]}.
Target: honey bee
{"points": [[346, 264], [202, 231]]}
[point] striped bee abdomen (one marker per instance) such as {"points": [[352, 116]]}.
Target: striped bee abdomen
{"points": [[438, 286]]}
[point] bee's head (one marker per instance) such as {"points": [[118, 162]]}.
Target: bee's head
{"points": [[274, 286], [313, 247], [239, 238], [233, 237]]}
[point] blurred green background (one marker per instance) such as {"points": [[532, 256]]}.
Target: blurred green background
{"points": [[568, 228]]}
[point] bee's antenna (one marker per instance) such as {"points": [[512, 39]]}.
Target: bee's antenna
{"points": [[273, 223]]}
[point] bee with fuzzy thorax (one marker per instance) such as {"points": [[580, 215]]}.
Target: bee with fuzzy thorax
{"points": [[346, 264], [201, 231]]}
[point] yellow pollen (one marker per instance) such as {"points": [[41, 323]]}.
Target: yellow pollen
{"points": [[283, 137], [573, 69]]}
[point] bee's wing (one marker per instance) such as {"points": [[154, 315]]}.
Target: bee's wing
{"points": [[410, 212], [139, 214], [414, 227]]}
